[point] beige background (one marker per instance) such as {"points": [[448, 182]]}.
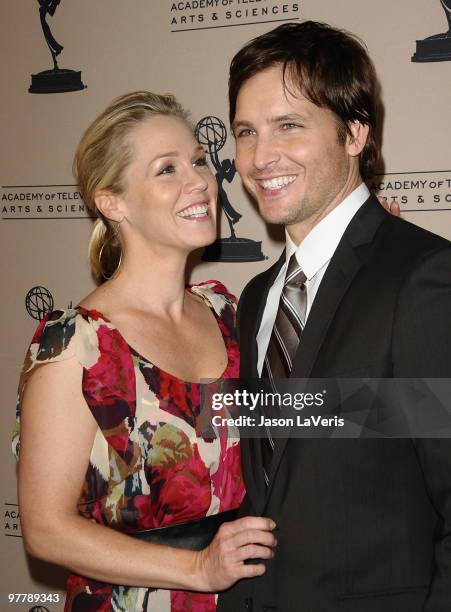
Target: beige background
{"points": [[122, 46]]}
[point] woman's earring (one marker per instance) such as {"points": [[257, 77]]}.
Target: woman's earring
{"points": [[117, 267]]}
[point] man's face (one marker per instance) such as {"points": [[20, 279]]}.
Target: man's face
{"points": [[288, 154]]}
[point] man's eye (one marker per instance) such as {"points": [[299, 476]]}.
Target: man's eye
{"points": [[244, 132], [290, 126], [201, 161], [167, 169]]}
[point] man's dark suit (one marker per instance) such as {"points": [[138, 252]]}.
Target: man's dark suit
{"points": [[363, 525]]}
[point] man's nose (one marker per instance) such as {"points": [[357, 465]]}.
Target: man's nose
{"points": [[265, 153]]}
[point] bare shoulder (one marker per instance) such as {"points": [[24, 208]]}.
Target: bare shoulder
{"points": [[54, 393], [97, 299], [57, 432]]}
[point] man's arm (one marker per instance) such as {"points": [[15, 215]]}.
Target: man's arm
{"points": [[422, 326], [422, 348]]}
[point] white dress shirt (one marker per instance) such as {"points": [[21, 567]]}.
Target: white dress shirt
{"points": [[313, 255]]}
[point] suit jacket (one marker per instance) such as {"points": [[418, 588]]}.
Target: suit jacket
{"points": [[364, 525]]}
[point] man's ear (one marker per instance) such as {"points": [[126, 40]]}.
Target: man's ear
{"points": [[110, 205], [356, 140]]}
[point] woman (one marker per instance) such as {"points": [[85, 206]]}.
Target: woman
{"points": [[110, 391]]}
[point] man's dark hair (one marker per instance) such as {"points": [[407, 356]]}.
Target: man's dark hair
{"points": [[330, 67]]}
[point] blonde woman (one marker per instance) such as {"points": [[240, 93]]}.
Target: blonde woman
{"points": [[110, 390]]}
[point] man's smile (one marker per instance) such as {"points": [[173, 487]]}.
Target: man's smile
{"points": [[276, 184]]}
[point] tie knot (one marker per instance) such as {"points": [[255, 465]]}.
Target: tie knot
{"points": [[295, 276]]}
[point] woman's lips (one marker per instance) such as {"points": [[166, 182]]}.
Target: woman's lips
{"points": [[194, 212]]}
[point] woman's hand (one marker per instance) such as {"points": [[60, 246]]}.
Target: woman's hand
{"points": [[391, 207], [222, 563]]}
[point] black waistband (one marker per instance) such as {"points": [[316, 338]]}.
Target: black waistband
{"points": [[194, 535]]}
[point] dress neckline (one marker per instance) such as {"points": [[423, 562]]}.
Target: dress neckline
{"points": [[133, 351]]}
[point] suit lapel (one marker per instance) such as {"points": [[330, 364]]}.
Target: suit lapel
{"points": [[342, 269], [339, 275], [250, 313]]}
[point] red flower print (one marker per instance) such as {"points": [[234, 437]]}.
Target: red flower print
{"points": [[109, 385], [184, 490], [181, 601], [227, 482]]}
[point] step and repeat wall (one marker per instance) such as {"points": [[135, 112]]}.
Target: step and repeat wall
{"points": [[183, 47]]}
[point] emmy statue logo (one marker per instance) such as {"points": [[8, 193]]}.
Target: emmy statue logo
{"points": [[56, 80], [212, 133], [38, 302], [436, 48]]}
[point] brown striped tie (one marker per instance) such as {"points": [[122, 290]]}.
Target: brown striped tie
{"points": [[284, 341], [290, 321]]}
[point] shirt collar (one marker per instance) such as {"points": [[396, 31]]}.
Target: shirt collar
{"points": [[319, 245]]}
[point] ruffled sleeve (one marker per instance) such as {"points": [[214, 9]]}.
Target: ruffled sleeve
{"points": [[215, 294], [223, 304], [61, 335]]}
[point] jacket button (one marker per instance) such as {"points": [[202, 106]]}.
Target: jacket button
{"points": [[248, 604]]}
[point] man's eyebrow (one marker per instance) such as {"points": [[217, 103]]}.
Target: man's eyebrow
{"points": [[289, 117], [275, 119], [240, 123]]}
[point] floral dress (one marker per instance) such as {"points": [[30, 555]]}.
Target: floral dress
{"points": [[147, 468]]}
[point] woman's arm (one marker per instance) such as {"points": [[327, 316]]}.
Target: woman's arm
{"points": [[57, 434]]}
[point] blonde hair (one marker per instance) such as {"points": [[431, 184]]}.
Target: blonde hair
{"points": [[101, 160]]}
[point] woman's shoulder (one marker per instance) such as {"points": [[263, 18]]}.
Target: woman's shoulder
{"points": [[215, 293], [63, 334]]}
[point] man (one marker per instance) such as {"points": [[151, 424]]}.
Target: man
{"points": [[363, 525]]}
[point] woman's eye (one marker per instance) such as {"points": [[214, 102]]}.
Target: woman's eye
{"points": [[167, 169], [202, 161], [290, 126]]}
